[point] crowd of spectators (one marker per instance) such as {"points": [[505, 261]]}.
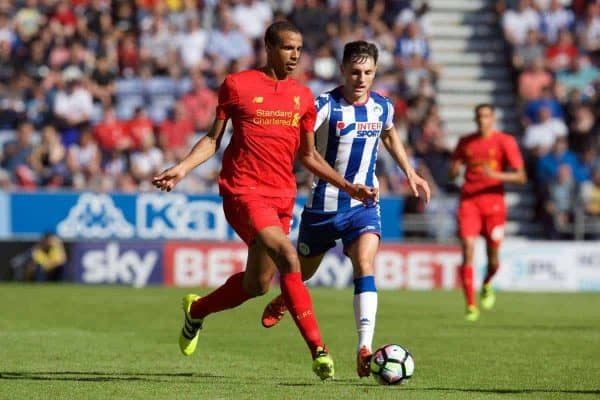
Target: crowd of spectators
{"points": [[101, 94], [556, 53]]}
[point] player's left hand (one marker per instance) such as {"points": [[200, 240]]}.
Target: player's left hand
{"points": [[417, 183], [366, 194], [167, 180]]}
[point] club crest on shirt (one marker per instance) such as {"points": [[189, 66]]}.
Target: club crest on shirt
{"points": [[296, 120], [378, 110], [297, 102]]}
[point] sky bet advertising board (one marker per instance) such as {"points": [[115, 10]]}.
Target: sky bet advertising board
{"points": [[210, 264], [148, 216], [526, 266]]}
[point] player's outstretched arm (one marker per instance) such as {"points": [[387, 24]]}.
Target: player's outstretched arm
{"points": [[312, 160], [204, 149], [516, 173], [517, 176], [396, 149]]}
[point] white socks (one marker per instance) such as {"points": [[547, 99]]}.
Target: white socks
{"points": [[365, 310]]}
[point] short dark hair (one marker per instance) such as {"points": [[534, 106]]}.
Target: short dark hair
{"points": [[359, 51], [481, 106], [272, 33]]}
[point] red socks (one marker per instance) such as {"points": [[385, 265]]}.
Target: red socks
{"points": [[231, 294], [466, 273], [296, 296], [297, 299]]}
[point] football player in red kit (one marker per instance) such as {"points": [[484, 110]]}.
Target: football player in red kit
{"points": [[273, 119], [491, 158]]}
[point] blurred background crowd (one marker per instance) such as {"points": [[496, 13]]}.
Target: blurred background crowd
{"points": [[102, 94], [555, 53]]}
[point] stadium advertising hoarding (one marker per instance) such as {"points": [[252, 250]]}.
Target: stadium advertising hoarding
{"points": [[545, 266], [396, 266], [152, 216], [4, 214], [202, 264], [419, 267], [181, 264], [526, 265], [136, 263]]}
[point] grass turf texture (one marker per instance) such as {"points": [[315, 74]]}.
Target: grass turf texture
{"points": [[76, 342]]}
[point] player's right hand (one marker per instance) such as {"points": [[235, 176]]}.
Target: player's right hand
{"points": [[169, 178], [366, 194]]}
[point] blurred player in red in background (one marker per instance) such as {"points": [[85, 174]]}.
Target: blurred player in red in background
{"points": [[491, 158], [273, 118]]}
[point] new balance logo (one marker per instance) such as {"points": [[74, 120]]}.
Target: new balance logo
{"points": [[258, 99]]}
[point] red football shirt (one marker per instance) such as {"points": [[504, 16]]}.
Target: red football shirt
{"points": [[499, 151], [176, 133], [268, 118], [112, 135], [139, 129]]}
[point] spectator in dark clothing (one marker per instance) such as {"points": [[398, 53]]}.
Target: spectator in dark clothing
{"points": [[313, 17], [17, 152], [45, 261]]}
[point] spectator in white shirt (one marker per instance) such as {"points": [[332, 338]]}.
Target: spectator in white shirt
{"points": [[191, 44], [516, 23], [227, 44], [146, 162], [540, 137], [588, 31], [73, 106], [252, 16], [554, 19]]}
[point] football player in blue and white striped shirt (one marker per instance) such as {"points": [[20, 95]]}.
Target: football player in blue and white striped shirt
{"points": [[350, 123]]}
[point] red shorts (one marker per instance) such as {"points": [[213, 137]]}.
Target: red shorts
{"points": [[249, 213], [482, 215]]}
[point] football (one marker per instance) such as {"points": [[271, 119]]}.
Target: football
{"points": [[392, 365]]}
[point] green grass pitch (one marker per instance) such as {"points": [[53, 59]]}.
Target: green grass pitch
{"points": [[78, 342]]}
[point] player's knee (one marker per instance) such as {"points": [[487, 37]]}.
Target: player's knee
{"points": [[468, 248], [493, 264], [257, 288], [365, 267], [264, 284], [289, 260]]}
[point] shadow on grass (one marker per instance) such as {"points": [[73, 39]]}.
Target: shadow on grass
{"points": [[507, 391], [473, 390], [565, 328], [95, 376]]}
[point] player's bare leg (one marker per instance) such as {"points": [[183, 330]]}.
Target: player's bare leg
{"points": [[466, 273], [254, 281], [276, 309], [297, 298], [260, 270], [488, 297], [362, 253]]}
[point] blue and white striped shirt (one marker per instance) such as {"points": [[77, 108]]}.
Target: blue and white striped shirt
{"points": [[347, 136]]}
